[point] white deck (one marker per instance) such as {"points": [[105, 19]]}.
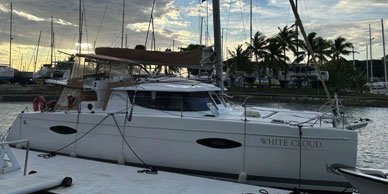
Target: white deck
{"points": [[99, 177]]}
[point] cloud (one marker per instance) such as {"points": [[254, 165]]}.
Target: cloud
{"points": [[32, 17]]}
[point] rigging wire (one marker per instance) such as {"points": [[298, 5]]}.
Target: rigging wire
{"points": [[242, 18], [149, 24], [114, 38], [131, 35], [227, 29], [85, 25], [102, 20]]}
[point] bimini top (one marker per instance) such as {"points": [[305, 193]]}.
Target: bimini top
{"points": [[172, 86]]}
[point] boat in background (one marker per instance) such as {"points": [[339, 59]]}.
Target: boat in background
{"points": [[365, 180], [6, 73]]}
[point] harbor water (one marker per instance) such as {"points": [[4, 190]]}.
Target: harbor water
{"points": [[372, 146]]}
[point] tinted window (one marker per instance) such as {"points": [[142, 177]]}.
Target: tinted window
{"points": [[172, 101]]}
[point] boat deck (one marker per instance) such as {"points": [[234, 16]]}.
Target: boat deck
{"points": [[99, 177]]}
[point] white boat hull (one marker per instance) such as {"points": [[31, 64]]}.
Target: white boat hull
{"points": [[270, 155], [365, 183]]}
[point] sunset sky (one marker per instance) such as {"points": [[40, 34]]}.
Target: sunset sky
{"points": [[178, 20]]}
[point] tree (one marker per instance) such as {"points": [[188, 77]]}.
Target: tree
{"points": [[322, 50], [275, 57], [340, 47], [286, 40], [240, 61], [258, 46]]}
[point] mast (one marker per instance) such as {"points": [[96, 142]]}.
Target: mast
{"points": [[80, 27], [37, 50], [200, 22], [122, 26], [297, 32], [149, 23], [52, 40], [217, 44], [10, 39], [385, 57], [126, 40], [299, 23], [370, 51], [250, 26], [354, 62], [367, 61]]}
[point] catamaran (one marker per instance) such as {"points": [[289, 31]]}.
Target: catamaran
{"points": [[107, 112]]}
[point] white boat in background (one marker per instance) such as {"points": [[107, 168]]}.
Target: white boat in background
{"points": [[6, 73], [366, 181], [302, 73]]}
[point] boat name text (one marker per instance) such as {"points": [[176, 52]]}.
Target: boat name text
{"points": [[290, 143]]}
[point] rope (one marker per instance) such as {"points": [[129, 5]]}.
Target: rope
{"points": [[126, 142], [149, 170]]}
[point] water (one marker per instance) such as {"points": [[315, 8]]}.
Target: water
{"points": [[372, 147]]}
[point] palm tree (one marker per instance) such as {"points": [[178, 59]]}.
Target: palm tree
{"points": [[286, 40], [275, 55], [240, 63], [320, 46], [323, 49], [312, 39], [340, 47], [240, 60], [257, 48]]}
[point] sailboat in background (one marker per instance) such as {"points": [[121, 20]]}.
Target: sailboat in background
{"points": [[7, 73], [55, 70]]}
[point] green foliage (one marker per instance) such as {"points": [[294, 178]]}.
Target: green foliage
{"points": [[240, 61], [191, 47], [344, 76]]}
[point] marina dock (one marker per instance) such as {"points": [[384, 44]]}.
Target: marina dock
{"points": [[99, 177]]}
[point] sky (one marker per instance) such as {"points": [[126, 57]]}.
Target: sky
{"points": [[177, 24]]}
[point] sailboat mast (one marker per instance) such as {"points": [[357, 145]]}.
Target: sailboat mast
{"points": [[122, 26], [297, 32], [52, 40], [217, 43], [80, 27], [384, 55], [299, 23], [367, 61], [200, 23], [250, 21], [10, 39], [37, 50], [370, 51]]}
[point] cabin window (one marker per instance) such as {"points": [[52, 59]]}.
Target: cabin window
{"points": [[172, 101]]}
